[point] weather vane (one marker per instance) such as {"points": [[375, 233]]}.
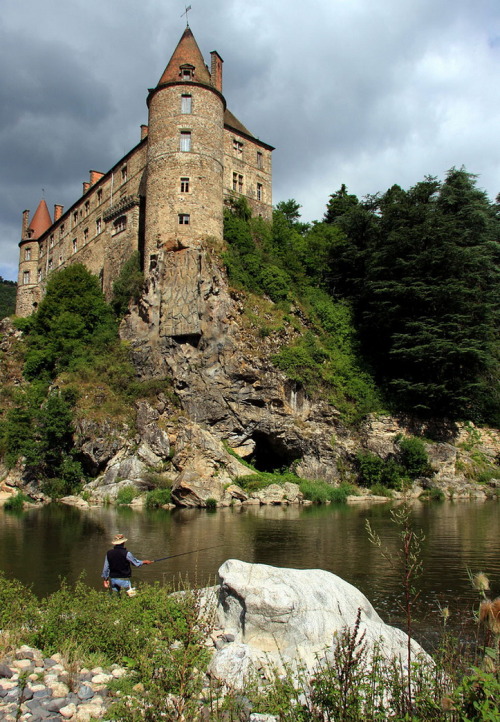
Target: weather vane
{"points": [[186, 14]]}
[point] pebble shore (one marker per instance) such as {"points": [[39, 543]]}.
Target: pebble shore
{"points": [[34, 688]]}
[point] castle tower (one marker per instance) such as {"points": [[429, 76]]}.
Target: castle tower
{"points": [[185, 169], [185, 152], [28, 293]]}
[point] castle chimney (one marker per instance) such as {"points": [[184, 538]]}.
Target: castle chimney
{"points": [[95, 175], [58, 211], [26, 221], [86, 186], [144, 131], [216, 70]]}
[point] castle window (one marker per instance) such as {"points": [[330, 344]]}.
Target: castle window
{"points": [[259, 192], [26, 277], [51, 242], [85, 235], [260, 159], [75, 245], [41, 247], [186, 104], [87, 207], [185, 140], [235, 181], [98, 226], [184, 185], [124, 174], [27, 254], [75, 218], [61, 229], [99, 195], [51, 264], [237, 146], [39, 275], [240, 184], [120, 224], [60, 260], [184, 219]]}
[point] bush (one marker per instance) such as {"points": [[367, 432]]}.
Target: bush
{"points": [[128, 285], [158, 498], [16, 503], [381, 490], [413, 456], [320, 492], [18, 607], [126, 495], [211, 503]]}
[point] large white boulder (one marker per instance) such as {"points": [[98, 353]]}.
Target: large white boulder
{"points": [[293, 616]]}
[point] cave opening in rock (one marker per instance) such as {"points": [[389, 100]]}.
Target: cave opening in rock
{"points": [[272, 453]]}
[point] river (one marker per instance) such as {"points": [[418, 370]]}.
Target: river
{"points": [[42, 545]]}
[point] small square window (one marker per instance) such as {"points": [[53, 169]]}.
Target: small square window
{"points": [[51, 264], [75, 245], [184, 185], [86, 235], [259, 192], [75, 218], [51, 241], [61, 230], [99, 195], [124, 174], [184, 219], [98, 226], [87, 207], [237, 146], [260, 159]]}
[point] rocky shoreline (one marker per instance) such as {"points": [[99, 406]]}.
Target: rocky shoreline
{"points": [[35, 688]]}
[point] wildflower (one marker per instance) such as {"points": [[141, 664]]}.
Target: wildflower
{"points": [[481, 582]]}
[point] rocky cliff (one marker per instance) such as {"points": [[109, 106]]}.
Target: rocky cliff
{"points": [[230, 397]]}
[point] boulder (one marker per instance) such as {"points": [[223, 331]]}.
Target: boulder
{"points": [[281, 617]]}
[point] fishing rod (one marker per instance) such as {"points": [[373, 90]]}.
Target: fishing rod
{"points": [[184, 553]]}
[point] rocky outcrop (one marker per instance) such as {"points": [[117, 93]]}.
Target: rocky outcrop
{"points": [[270, 618]]}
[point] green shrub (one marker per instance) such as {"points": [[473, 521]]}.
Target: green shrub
{"points": [[381, 490], [128, 285], [158, 498], [412, 454], [18, 607], [126, 495], [16, 503], [433, 494], [320, 492], [211, 503]]}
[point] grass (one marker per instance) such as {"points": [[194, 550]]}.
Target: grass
{"points": [[16, 503]]}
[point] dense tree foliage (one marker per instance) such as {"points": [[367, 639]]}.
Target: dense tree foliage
{"points": [[73, 325], [421, 269], [290, 263], [7, 298]]}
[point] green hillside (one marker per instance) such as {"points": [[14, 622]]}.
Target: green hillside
{"points": [[7, 298]]}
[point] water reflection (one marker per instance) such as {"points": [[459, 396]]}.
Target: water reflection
{"points": [[43, 545]]}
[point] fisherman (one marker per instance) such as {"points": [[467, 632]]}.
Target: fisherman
{"points": [[117, 571]]}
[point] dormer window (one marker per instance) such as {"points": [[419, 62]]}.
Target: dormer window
{"points": [[187, 71]]}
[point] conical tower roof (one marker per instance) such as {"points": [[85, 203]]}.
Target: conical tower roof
{"points": [[41, 220], [187, 52]]}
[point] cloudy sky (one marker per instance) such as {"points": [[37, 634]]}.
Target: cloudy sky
{"points": [[363, 92]]}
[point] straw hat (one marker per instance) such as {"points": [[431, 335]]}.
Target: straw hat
{"points": [[119, 539]]}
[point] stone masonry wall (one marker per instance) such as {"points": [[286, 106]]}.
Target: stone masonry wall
{"points": [[252, 162]]}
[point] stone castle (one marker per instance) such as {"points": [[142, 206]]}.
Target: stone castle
{"points": [[164, 198]]}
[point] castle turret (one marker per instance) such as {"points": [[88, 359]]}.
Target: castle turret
{"points": [[28, 290], [185, 153]]}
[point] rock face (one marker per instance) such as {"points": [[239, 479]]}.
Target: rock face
{"points": [[278, 616]]}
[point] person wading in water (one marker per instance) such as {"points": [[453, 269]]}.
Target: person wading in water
{"points": [[117, 571]]}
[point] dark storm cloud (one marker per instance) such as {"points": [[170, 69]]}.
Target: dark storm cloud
{"points": [[349, 91]]}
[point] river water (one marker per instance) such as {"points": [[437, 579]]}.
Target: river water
{"points": [[43, 545]]}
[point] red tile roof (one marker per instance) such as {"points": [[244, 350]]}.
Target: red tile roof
{"points": [[186, 52], [41, 220]]}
